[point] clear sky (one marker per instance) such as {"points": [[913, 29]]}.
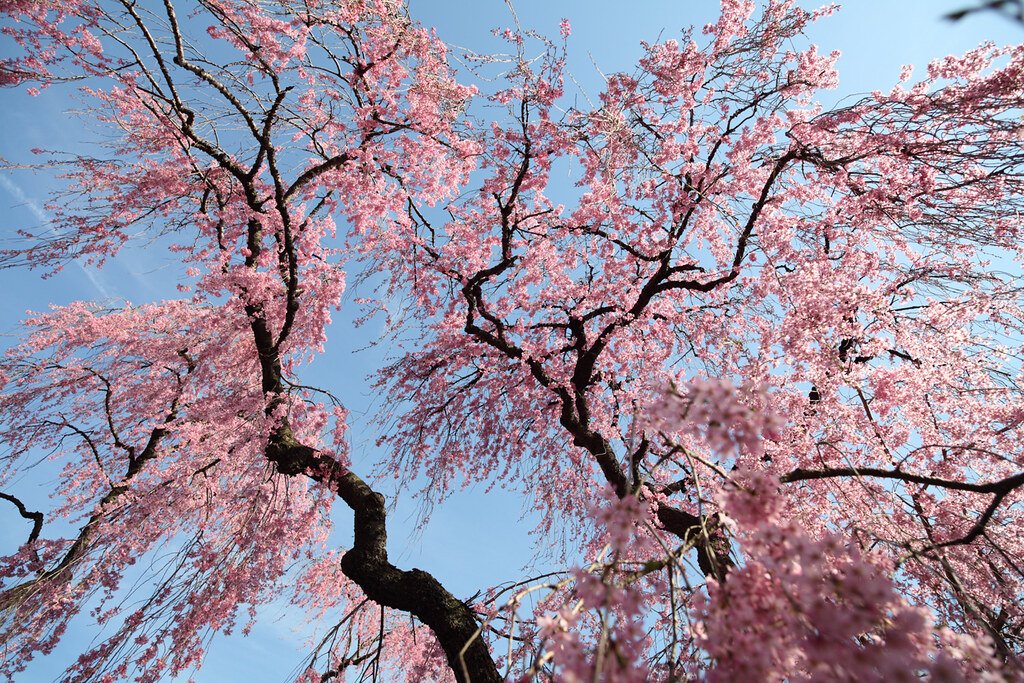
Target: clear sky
{"points": [[464, 548]]}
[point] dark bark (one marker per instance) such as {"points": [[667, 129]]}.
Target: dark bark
{"points": [[414, 591], [35, 517], [706, 535]]}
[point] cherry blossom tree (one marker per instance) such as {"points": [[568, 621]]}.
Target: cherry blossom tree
{"points": [[758, 362]]}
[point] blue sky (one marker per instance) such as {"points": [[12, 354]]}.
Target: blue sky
{"points": [[462, 547]]}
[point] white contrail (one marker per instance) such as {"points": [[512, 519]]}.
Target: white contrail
{"points": [[40, 213]]}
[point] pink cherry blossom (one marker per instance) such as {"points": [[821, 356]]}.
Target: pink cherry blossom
{"points": [[754, 370]]}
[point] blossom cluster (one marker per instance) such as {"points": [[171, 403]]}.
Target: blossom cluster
{"points": [[727, 417]]}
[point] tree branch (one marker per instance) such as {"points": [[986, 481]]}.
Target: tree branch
{"points": [[36, 517]]}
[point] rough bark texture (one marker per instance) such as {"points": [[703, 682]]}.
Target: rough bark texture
{"points": [[414, 591]]}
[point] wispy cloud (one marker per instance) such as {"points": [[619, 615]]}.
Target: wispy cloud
{"points": [[91, 274]]}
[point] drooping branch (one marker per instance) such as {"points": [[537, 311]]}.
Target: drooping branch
{"points": [[999, 489], [35, 516], [137, 460], [64, 570]]}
